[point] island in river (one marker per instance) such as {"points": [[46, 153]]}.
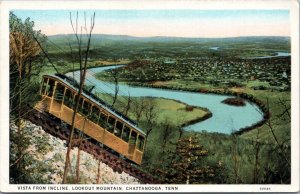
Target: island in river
{"points": [[234, 101]]}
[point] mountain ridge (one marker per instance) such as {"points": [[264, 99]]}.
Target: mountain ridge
{"points": [[169, 38]]}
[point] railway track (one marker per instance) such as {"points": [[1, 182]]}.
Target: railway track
{"points": [[55, 128]]}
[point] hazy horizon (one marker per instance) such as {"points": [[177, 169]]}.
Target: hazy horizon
{"points": [[173, 36], [166, 23]]}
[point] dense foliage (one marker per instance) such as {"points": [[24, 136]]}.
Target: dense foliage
{"points": [[186, 166], [25, 62]]}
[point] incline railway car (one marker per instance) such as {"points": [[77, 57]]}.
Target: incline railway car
{"points": [[94, 118]]}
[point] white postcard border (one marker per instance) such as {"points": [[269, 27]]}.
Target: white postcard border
{"points": [[291, 5]]}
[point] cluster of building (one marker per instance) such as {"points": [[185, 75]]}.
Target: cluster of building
{"points": [[229, 72]]}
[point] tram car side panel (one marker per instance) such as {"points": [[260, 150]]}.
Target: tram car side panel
{"points": [[58, 99]]}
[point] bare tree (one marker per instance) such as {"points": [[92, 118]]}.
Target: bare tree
{"points": [[269, 123], [138, 108], [98, 172], [167, 128], [78, 152], [128, 105], [256, 163], [72, 59], [181, 131], [235, 158], [83, 67], [286, 110], [150, 112], [116, 82], [180, 128]]}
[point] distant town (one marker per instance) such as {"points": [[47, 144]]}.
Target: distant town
{"points": [[273, 73]]}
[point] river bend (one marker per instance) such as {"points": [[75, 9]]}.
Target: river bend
{"points": [[225, 118]]}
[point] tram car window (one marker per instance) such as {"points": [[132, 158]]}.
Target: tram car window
{"points": [[86, 108], [103, 120], [94, 116], [126, 133], [59, 93], [50, 88], [79, 105], [74, 98], [118, 129], [68, 100], [111, 124], [132, 139], [140, 143], [44, 86]]}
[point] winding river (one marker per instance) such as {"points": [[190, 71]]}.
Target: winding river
{"points": [[225, 119]]}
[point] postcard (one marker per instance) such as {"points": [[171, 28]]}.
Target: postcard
{"points": [[149, 96]]}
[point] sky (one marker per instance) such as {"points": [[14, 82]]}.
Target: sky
{"points": [[174, 23]]}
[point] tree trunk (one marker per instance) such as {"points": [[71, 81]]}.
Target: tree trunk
{"points": [[78, 165], [78, 153], [256, 163], [82, 79], [275, 137], [235, 159], [115, 75], [98, 172]]}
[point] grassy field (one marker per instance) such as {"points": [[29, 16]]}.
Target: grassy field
{"points": [[165, 109], [280, 120], [68, 66], [176, 111]]}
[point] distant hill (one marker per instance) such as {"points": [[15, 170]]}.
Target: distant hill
{"points": [[104, 38], [122, 46]]}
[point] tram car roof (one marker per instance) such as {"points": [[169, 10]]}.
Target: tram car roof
{"points": [[72, 83]]}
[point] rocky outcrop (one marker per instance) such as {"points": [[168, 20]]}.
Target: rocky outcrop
{"points": [[56, 154]]}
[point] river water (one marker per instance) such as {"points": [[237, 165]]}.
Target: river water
{"points": [[279, 54], [225, 119], [215, 48]]}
